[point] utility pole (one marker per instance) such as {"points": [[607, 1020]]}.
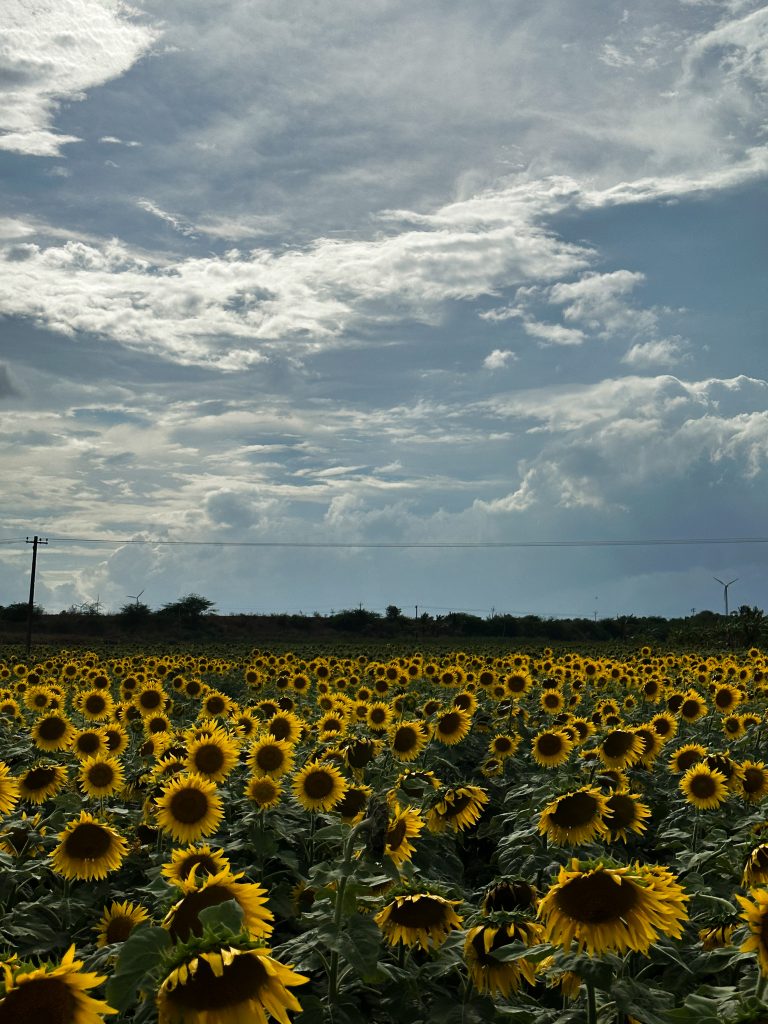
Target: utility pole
{"points": [[31, 606]]}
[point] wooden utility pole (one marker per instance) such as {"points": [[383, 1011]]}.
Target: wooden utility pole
{"points": [[31, 606]]}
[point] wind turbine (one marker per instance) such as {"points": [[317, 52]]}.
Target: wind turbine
{"points": [[135, 597]]}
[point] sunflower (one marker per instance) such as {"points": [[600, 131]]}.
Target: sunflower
{"points": [[407, 740], [54, 993], [405, 823], [88, 849], [457, 809], [626, 813], [575, 818], [551, 748], [379, 717], [693, 707], [510, 895], [551, 701], [264, 791], [604, 908], [150, 699], [756, 868], [452, 726], [716, 936], [213, 758], [664, 725], [620, 748], [189, 808], [202, 859], [101, 776], [419, 919], [493, 976], [183, 919], [285, 725], [227, 985], [118, 921], [53, 732], [360, 752], [95, 705], [752, 781], [21, 838], [9, 790], [319, 787], [704, 788], [685, 757], [89, 743], [270, 756], [726, 697], [352, 805], [117, 738], [41, 781], [756, 916]]}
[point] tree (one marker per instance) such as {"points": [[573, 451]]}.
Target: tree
{"points": [[751, 623], [189, 608]]}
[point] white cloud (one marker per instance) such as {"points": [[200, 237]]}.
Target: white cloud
{"points": [[662, 352], [56, 52], [554, 334], [499, 358]]}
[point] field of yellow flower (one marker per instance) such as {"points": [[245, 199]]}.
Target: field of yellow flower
{"points": [[454, 837]]}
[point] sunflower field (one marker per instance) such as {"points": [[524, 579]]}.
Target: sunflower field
{"points": [[443, 837]]}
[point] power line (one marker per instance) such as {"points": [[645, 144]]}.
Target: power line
{"points": [[426, 545]]}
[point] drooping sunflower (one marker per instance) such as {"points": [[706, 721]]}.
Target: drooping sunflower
{"points": [[752, 781], [604, 908], [183, 919], [101, 776], [319, 786], [352, 805], [407, 740], [704, 788], [457, 809], [493, 976], [716, 936], [22, 838], [202, 859], [227, 985], [52, 992], [551, 748], [627, 813], [756, 868], [270, 756], [41, 781], [419, 919], [452, 726], [264, 791], [10, 793], [575, 818], [756, 916], [118, 921], [510, 895], [213, 758], [405, 823], [88, 849], [189, 808], [53, 732]]}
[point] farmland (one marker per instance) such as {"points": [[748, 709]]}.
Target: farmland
{"points": [[363, 833]]}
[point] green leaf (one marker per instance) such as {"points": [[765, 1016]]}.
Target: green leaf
{"points": [[517, 950], [139, 956], [229, 915]]}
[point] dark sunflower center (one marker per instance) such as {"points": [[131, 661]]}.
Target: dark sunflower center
{"points": [[88, 743], [189, 806], [618, 743], [703, 786], [186, 920], [455, 804], [353, 802], [724, 698], [597, 898], [406, 738], [450, 723], [690, 708], [48, 999], [759, 858], [359, 754], [269, 758], [509, 896], [215, 705], [95, 704], [280, 728], [150, 699], [263, 790], [396, 835], [242, 980], [516, 684], [318, 784], [754, 780], [687, 758], [378, 715], [623, 810], [502, 744], [87, 841], [423, 912], [201, 860], [575, 810], [17, 838], [209, 758], [552, 700], [549, 744], [101, 775], [662, 726], [39, 778], [119, 928], [52, 728]]}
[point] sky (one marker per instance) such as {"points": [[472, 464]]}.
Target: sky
{"points": [[330, 273]]}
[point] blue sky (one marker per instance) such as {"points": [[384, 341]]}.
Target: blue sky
{"points": [[338, 273]]}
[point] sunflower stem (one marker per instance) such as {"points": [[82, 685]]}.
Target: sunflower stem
{"points": [[591, 1003], [760, 986], [338, 910]]}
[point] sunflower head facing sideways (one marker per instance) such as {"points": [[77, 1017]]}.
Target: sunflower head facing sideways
{"points": [[421, 919], [51, 993], [88, 849], [183, 919]]}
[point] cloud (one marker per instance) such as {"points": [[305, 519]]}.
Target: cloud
{"points": [[553, 334], [176, 223], [7, 389], [597, 300], [55, 53], [662, 352], [499, 358]]}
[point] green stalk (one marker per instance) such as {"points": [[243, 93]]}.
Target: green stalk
{"points": [[338, 910], [760, 986], [591, 1004]]}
